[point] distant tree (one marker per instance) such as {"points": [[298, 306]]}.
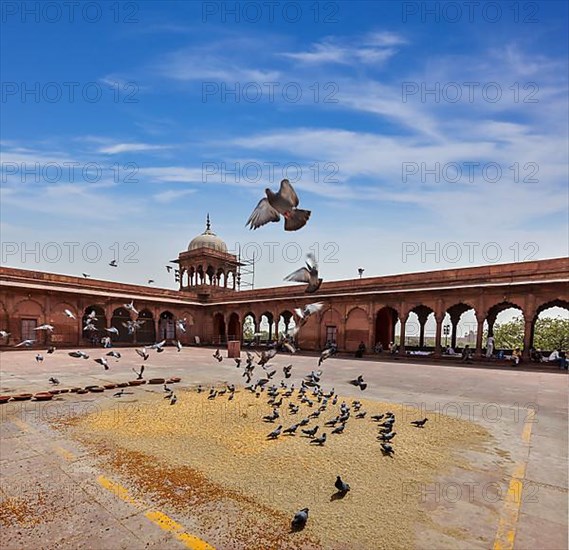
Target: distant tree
{"points": [[509, 335], [248, 328], [551, 333]]}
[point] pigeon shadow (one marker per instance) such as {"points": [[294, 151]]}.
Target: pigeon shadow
{"points": [[338, 495]]}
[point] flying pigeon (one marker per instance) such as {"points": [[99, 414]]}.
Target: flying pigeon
{"points": [[218, 355], [45, 327], [341, 486], [139, 373], [181, 324], [26, 343], [359, 383], [420, 423], [86, 275], [114, 354], [308, 274], [266, 356], [78, 354], [150, 281], [113, 330], [39, 357], [4, 334], [286, 371], [131, 307], [51, 350], [328, 352], [168, 268], [299, 520], [103, 361], [113, 263], [69, 314], [54, 381], [142, 353], [284, 202], [159, 346], [178, 345]]}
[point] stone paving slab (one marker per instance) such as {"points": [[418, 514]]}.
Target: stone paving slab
{"points": [[88, 516]]}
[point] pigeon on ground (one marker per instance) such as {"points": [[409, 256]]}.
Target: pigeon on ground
{"points": [[119, 393], [291, 430], [341, 486], [310, 432], [339, 429], [420, 423], [54, 381], [103, 361], [275, 433], [39, 357], [139, 373], [308, 274], [319, 440], [51, 350], [218, 355], [173, 400], [361, 414], [299, 520], [387, 437], [284, 202], [304, 422], [377, 417], [387, 449]]}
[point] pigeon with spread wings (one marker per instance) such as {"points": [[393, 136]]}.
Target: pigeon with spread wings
{"points": [[284, 203], [308, 274]]}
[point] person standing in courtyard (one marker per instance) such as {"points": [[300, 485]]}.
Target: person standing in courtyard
{"points": [[489, 347]]}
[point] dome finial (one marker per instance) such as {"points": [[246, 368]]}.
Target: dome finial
{"points": [[207, 223]]}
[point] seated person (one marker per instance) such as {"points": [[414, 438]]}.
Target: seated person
{"points": [[378, 348], [516, 356], [449, 351], [535, 355], [361, 350], [466, 353]]}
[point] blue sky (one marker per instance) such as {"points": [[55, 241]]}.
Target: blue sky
{"points": [[152, 123]]}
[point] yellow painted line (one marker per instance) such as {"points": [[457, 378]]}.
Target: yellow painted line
{"points": [[68, 455], [163, 521], [24, 426], [506, 533], [168, 524]]}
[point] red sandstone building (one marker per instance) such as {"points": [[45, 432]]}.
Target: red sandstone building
{"points": [[208, 298]]}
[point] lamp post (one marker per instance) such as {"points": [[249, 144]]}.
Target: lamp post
{"points": [[446, 332], [361, 271]]}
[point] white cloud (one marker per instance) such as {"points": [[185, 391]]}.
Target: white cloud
{"points": [[131, 148], [171, 195]]}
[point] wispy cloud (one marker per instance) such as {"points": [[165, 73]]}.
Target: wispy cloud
{"points": [[172, 194], [131, 148]]}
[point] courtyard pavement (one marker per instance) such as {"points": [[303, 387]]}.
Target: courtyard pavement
{"points": [[516, 497]]}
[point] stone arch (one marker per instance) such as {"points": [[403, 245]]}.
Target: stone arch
{"points": [[386, 319], [492, 316], [416, 324], [545, 340], [234, 327], [166, 326], [146, 334], [285, 323], [219, 331], [459, 324], [119, 318], [357, 329]]}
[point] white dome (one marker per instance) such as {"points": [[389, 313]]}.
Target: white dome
{"points": [[208, 239]]}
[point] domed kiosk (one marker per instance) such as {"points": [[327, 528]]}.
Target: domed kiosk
{"points": [[207, 263]]}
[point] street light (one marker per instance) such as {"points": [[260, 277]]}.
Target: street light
{"points": [[361, 271], [446, 332]]}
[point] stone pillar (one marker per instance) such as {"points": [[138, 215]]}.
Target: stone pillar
{"points": [[479, 335], [403, 320], [454, 324], [438, 333], [528, 338]]}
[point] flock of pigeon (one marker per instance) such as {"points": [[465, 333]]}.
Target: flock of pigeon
{"points": [[311, 394]]}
